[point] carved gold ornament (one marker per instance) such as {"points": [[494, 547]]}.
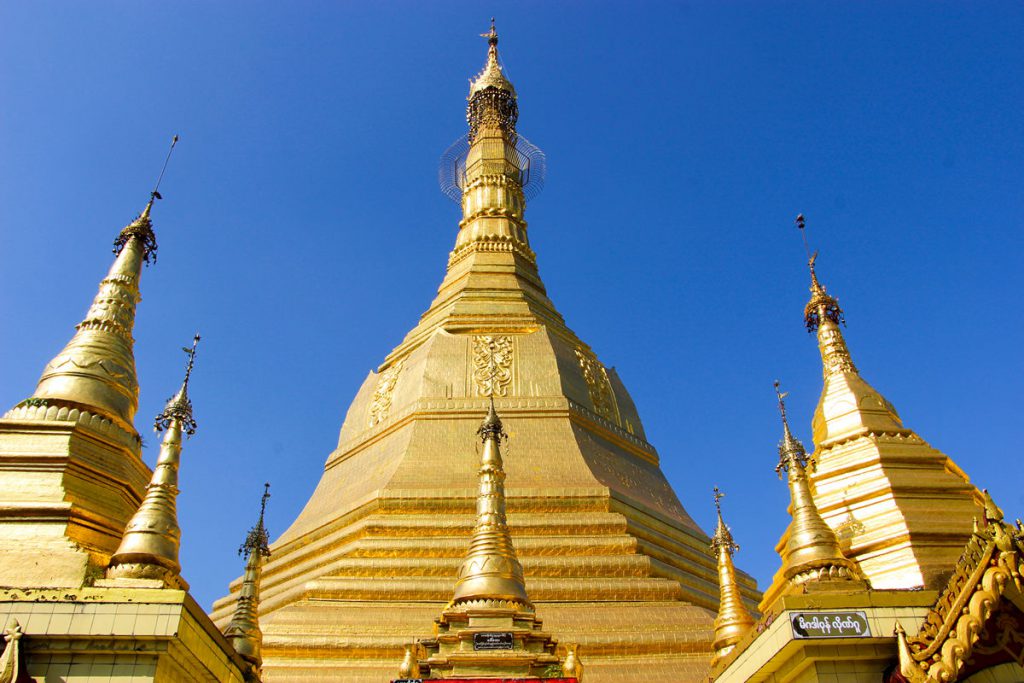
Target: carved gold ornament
{"points": [[598, 385], [492, 364], [381, 402]]}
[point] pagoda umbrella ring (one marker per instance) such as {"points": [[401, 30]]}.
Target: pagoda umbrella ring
{"points": [[530, 164]]}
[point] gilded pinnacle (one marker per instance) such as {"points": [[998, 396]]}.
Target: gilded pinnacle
{"points": [[141, 231], [257, 540], [492, 75], [722, 539], [152, 539], [491, 573], [791, 451], [95, 372], [179, 406], [812, 550], [243, 631], [733, 619]]}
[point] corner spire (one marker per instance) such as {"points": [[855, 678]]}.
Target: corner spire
{"points": [[152, 538], [812, 550], [733, 620], [244, 628], [491, 573], [95, 372]]}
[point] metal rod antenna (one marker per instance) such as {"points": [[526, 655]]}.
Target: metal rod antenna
{"points": [[155, 192]]}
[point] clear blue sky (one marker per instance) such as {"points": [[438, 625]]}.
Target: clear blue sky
{"points": [[303, 232]]}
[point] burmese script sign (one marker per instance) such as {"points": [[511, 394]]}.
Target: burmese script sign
{"points": [[830, 625], [492, 641]]}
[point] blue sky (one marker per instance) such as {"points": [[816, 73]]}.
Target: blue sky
{"points": [[303, 232]]}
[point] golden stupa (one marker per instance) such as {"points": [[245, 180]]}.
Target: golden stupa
{"points": [[612, 560], [414, 546]]}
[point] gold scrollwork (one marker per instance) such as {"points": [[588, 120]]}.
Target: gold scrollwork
{"points": [[492, 364], [598, 385], [381, 402]]}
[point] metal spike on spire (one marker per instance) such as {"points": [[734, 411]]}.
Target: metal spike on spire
{"points": [[155, 194], [179, 406], [791, 451], [723, 535], [257, 540], [141, 228], [822, 305]]}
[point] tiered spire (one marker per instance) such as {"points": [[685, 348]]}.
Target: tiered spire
{"points": [[149, 548], [812, 551], [244, 629], [490, 595], [491, 574], [861, 408], [733, 620], [901, 486], [493, 203], [95, 372]]}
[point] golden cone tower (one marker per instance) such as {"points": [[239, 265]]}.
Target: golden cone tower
{"points": [[243, 631], [605, 545], [95, 372], [901, 509], [733, 620], [490, 628], [76, 425], [491, 571], [152, 539], [810, 549]]}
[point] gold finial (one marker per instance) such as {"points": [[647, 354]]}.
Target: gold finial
{"points": [[791, 451], [733, 619], [822, 305], [179, 406], [812, 550], [257, 540], [722, 538], [94, 375], [492, 98], [491, 36], [141, 229], [410, 667], [10, 661], [151, 542], [244, 628], [491, 573], [573, 667]]}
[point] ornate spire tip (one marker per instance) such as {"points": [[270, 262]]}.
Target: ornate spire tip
{"points": [[179, 406], [258, 540]]}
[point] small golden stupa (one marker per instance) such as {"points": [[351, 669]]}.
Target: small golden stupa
{"points": [[490, 629]]}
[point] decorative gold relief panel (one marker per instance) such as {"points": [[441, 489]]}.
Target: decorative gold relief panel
{"points": [[492, 365], [381, 402], [598, 385]]}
